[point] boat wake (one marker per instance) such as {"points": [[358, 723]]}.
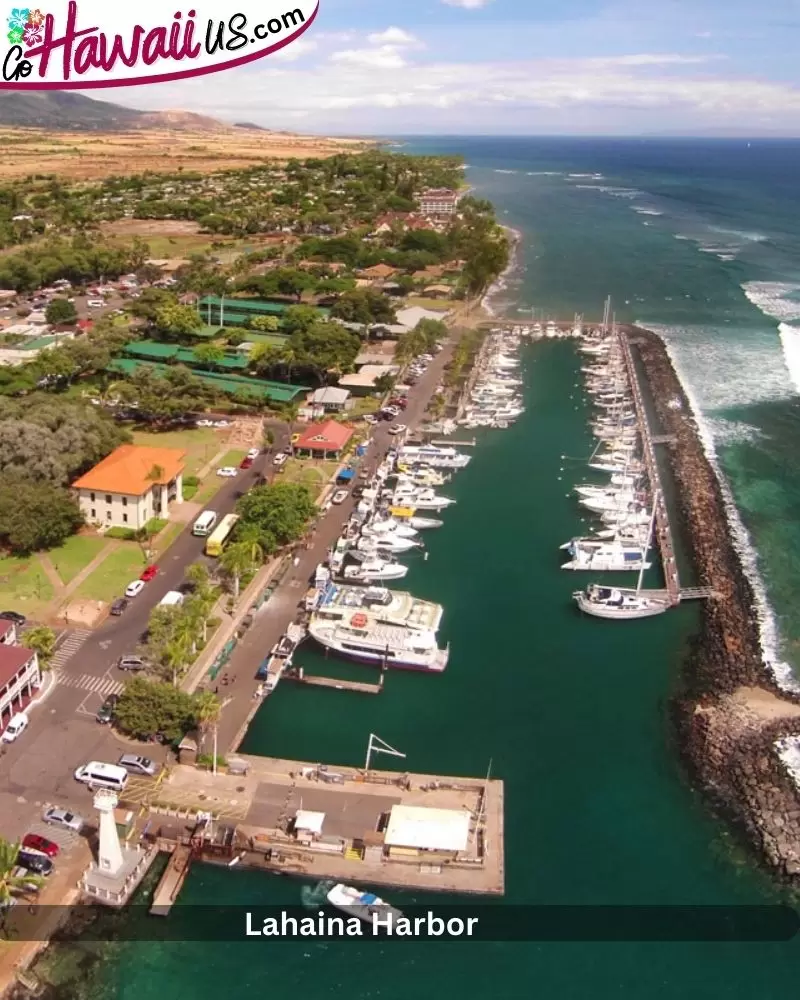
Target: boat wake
{"points": [[769, 635], [790, 341], [640, 210]]}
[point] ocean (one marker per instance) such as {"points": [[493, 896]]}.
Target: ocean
{"points": [[695, 239]]}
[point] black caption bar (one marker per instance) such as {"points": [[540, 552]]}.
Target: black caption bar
{"points": [[434, 923]]}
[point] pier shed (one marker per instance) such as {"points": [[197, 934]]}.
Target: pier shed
{"points": [[419, 828], [308, 825]]}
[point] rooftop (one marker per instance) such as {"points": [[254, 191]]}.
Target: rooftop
{"points": [[428, 829], [327, 436], [12, 660], [331, 395], [129, 470], [278, 392]]}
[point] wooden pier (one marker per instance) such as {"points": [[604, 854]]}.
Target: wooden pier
{"points": [[662, 525], [172, 881], [301, 677]]}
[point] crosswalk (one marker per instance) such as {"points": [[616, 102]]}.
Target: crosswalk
{"points": [[69, 647], [86, 682]]}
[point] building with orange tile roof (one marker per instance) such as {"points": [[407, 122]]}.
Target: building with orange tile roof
{"points": [[131, 486], [325, 440]]}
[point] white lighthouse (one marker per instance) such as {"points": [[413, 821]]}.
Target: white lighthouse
{"points": [[109, 852]]}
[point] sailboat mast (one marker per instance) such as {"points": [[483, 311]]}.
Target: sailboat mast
{"points": [[647, 544]]}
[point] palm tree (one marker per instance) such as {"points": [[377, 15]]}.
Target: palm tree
{"points": [[42, 640], [289, 412], [238, 559], [207, 712], [9, 882]]}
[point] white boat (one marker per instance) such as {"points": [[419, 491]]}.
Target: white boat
{"points": [[374, 568], [608, 501], [364, 905], [424, 523], [388, 527], [389, 607], [386, 543], [619, 603], [603, 556], [440, 458], [364, 640], [423, 499]]}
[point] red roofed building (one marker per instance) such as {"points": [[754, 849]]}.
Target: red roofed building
{"points": [[326, 440], [437, 202], [19, 678]]}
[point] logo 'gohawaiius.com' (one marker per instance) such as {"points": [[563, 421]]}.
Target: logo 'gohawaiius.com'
{"points": [[96, 44]]}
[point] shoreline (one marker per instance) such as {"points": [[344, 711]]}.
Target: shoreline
{"points": [[500, 283], [731, 708]]}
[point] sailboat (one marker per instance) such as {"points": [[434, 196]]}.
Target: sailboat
{"points": [[622, 603]]}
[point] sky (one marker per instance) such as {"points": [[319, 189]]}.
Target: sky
{"points": [[516, 67]]}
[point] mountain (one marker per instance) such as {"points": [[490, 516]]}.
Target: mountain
{"points": [[67, 112]]}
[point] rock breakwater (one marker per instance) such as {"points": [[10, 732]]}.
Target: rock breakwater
{"points": [[730, 711]]}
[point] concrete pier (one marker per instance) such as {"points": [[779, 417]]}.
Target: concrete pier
{"points": [[300, 677], [172, 880]]}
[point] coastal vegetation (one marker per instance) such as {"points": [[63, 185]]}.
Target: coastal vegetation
{"points": [[149, 709], [273, 516]]}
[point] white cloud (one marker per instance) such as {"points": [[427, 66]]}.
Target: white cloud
{"points": [[299, 48], [393, 36], [467, 4], [383, 57], [643, 88]]}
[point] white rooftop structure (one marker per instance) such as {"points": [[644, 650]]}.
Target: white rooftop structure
{"points": [[308, 821], [408, 318], [330, 396], [428, 829]]}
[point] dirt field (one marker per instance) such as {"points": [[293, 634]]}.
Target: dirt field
{"points": [[91, 156]]}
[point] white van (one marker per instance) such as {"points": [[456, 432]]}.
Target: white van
{"points": [[96, 774], [16, 727], [204, 523], [172, 599]]}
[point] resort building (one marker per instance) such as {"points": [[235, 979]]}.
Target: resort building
{"points": [[8, 632], [19, 678], [132, 486], [438, 202], [326, 440]]}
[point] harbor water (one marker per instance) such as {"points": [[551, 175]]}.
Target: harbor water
{"points": [[572, 713]]}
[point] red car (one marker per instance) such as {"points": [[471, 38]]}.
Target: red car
{"points": [[33, 842], [149, 573], [247, 463]]}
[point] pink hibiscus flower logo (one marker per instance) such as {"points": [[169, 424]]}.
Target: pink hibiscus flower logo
{"points": [[32, 35]]}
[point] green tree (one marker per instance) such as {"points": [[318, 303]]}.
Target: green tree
{"points": [[385, 383], [207, 708], [209, 355], [61, 311], [35, 516], [264, 324], [42, 640], [147, 708], [177, 321], [11, 884], [275, 515], [237, 560]]}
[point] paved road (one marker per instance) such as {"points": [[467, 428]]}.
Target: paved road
{"points": [[64, 733]]}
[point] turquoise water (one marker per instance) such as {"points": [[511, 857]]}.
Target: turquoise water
{"points": [[571, 713]]}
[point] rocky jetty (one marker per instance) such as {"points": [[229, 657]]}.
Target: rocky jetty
{"points": [[731, 711]]}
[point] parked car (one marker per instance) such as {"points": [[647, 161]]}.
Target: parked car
{"points": [[13, 616], [40, 864], [227, 472], [95, 303], [105, 714], [119, 606], [397, 429], [134, 589], [40, 845], [149, 573], [17, 725], [205, 423], [370, 418], [280, 460], [246, 463], [222, 423], [254, 453], [137, 765], [62, 817], [134, 663], [339, 497]]}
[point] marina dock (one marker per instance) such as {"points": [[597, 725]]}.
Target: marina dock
{"points": [[172, 881], [299, 676], [662, 525], [414, 831]]}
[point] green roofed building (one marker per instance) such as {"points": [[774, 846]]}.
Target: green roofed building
{"points": [[236, 312], [275, 392]]}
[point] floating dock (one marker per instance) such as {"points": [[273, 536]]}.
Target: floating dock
{"points": [[172, 880], [299, 676]]}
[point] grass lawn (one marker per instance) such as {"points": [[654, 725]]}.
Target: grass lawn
{"points": [[314, 474], [24, 586], [167, 538], [201, 444], [76, 553], [233, 458], [364, 405], [114, 574], [440, 305], [176, 246]]}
